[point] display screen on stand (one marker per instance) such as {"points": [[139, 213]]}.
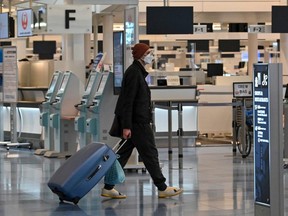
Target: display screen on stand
{"points": [[118, 59]]}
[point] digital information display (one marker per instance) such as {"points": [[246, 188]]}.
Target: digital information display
{"points": [[4, 25], [261, 135]]}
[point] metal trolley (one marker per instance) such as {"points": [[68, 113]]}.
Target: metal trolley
{"points": [[243, 115]]}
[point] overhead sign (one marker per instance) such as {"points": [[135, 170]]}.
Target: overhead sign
{"points": [[24, 22], [73, 19], [199, 29], [256, 29]]}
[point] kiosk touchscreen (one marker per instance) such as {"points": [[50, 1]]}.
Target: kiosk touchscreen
{"points": [[80, 121], [63, 113], [46, 110]]}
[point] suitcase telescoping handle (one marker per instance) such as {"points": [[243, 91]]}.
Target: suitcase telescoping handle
{"points": [[116, 148], [119, 145]]}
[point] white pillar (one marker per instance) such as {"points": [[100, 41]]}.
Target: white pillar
{"points": [[108, 38], [284, 55], [67, 47], [95, 35], [87, 48], [252, 51], [73, 54]]}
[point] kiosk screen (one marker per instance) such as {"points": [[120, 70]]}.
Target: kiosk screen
{"points": [[52, 84], [102, 84], [64, 83], [90, 83]]}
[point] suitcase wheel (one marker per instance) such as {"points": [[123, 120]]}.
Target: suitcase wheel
{"points": [[75, 201]]}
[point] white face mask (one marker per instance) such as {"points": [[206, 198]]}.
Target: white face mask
{"points": [[148, 58]]}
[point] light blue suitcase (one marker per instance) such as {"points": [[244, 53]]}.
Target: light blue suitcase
{"points": [[81, 172]]}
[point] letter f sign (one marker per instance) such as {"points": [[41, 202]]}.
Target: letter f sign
{"points": [[68, 18]]}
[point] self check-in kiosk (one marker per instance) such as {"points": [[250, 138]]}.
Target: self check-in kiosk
{"points": [[46, 111], [102, 110], [63, 114], [101, 117], [89, 93]]}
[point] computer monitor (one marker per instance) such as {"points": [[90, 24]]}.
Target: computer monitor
{"points": [[169, 20], [45, 49], [279, 17], [201, 45], [241, 64], [4, 25], [214, 69], [229, 45]]}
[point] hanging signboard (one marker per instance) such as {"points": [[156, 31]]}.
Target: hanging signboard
{"points": [[69, 19], [24, 22]]}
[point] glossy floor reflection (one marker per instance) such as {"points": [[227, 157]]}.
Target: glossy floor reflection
{"points": [[215, 183]]}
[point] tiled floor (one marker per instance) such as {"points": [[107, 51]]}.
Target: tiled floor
{"points": [[215, 183]]}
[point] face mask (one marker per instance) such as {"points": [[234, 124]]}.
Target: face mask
{"points": [[148, 59]]}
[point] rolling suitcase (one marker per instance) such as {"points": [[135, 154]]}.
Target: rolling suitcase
{"points": [[81, 172]]}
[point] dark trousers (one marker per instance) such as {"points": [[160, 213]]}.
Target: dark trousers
{"points": [[143, 139]]}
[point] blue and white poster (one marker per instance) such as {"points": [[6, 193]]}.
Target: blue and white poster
{"points": [[261, 134]]}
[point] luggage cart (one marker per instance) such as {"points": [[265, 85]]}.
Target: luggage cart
{"points": [[243, 118]]}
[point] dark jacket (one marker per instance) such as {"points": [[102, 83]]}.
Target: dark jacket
{"points": [[134, 102]]}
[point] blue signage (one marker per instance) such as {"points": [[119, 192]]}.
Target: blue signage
{"points": [[261, 134]]}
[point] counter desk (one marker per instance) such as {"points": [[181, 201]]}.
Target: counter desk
{"points": [[28, 113], [167, 100]]}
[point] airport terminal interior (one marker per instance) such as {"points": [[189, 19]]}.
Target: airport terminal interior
{"points": [[219, 96]]}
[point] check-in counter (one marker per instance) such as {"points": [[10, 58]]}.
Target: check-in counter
{"points": [[35, 73], [172, 105], [28, 113], [31, 96], [188, 78], [174, 95]]}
